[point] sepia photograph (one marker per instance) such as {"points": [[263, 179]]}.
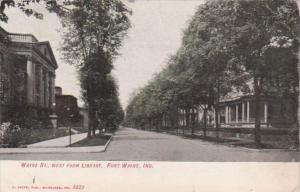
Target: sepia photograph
{"points": [[150, 80]]}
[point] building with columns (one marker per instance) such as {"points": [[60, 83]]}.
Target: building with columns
{"points": [[34, 71], [237, 110], [274, 112]]}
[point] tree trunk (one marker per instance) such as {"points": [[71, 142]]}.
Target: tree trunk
{"points": [[1, 92], [148, 127], [217, 121], [187, 119], [257, 94], [298, 68], [152, 124], [205, 122], [0, 105], [193, 122], [217, 111], [90, 124], [161, 122], [93, 128], [157, 123], [178, 120]]}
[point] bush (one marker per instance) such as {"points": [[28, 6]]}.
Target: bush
{"points": [[10, 134], [293, 138]]}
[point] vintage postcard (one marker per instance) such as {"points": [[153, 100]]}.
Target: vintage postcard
{"points": [[149, 95]]}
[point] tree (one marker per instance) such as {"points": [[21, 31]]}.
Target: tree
{"points": [[59, 7], [206, 43], [228, 40], [93, 34], [233, 38], [262, 27]]}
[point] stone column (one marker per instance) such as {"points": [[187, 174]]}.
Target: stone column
{"points": [[229, 114], [248, 111], [181, 117], [41, 86], [29, 80], [265, 113], [214, 118], [184, 118], [226, 114], [34, 90], [53, 91], [236, 113], [243, 112], [51, 94], [46, 86], [199, 114], [219, 118]]}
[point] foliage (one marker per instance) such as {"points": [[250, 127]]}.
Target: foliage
{"points": [[98, 140], [30, 136], [93, 33], [226, 44], [94, 27], [10, 134], [24, 6]]}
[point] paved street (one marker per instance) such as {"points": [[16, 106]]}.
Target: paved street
{"points": [[131, 144]]}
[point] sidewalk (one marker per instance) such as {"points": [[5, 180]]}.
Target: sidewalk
{"points": [[92, 149], [58, 142], [58, 145]]}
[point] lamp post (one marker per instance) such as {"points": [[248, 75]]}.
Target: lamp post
{"points": [[69, 125]]}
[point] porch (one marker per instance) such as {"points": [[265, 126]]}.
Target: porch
{"points": [[274, 112]]}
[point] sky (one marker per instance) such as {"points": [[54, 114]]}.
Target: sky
{"points": [[156, 33]]}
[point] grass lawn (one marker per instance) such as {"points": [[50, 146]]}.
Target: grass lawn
{"points": [[94, 141], [81, 129], [208, 138], [270, 145], [30, 136]]}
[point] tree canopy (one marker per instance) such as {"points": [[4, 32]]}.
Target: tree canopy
{"points": [[225, 42], [92, 35]]}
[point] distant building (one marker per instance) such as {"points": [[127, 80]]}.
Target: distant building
{"points": [[58, 91], [66, 108], [27, 73]]}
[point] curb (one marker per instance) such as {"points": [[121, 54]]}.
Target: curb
{"points": [[262, 150], [90, 149], [108, 142]]}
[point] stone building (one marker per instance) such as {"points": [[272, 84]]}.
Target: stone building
{"points": [[66, 109], [27, 75]]}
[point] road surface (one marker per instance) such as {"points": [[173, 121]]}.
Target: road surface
{"points": [[137, 145]]}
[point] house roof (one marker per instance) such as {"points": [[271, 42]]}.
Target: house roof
{"points": [[47, 43], [66, 96]]}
